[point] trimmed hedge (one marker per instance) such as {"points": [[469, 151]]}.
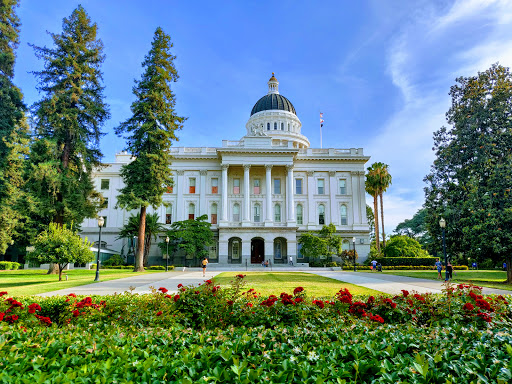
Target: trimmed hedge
{"points": [[4, 265], [411, 268], [151, 268], [159, 268], [392, 261]]}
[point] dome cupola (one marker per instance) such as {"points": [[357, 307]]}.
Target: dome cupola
{"points": [[274, 115]]}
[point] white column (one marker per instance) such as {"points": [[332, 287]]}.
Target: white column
{"points": [[203, 209], [332, 198], [356, 199], [362, 199], [247, 197], [290, 201], [311, 202], [268, 196], [224, 192], [180, 203]]}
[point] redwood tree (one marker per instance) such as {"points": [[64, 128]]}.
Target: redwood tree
{"points": [[149, 133]]}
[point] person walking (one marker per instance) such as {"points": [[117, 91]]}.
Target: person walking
{"points": [[374, 265], [204, 263], [291, 261], [449, 271], [439, 267]]}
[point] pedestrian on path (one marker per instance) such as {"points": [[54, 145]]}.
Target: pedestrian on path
{"points": [[204, 264], [439, 267], [449, 271], [374, 265], [291, 261]]}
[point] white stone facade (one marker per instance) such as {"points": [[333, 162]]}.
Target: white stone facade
{"points": [[260, 193]]}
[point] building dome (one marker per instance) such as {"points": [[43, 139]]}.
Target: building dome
{"points": [[273, 101]]}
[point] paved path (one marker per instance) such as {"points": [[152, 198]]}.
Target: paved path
{"points": [[382, 282]]}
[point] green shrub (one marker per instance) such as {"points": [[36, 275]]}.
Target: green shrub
{"points": [[403, 246], [5, 265], [333, 264], [410, 267], [113, 260], [159, 268], [93, 266], [411, 261]]}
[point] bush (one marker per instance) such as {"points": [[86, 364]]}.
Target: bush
{"points": [[159, 268], [93, 266], [403, 246], [333, 264], [411, 261], [5, 265], [411, 268], [116, 260]]}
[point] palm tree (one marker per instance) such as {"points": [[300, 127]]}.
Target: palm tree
{"points": [[383, 183], [152, 228], [371, 188]]}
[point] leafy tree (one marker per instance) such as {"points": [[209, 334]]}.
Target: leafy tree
{"points": [[149, 133], [68, 119], [60, 245], [332, 241], [348, 256], [13, 128], [153, 227], [379, 179], [416, 228], [312, 246], [191, 236], [470, 181], [372, 188], [403, 246], [370, 217]]}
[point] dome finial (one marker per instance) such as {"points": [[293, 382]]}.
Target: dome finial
{"points": [[273, 85]]}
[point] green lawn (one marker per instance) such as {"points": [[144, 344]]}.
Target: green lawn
{"points": [[273, 283], [34, 281], [485, 278]]}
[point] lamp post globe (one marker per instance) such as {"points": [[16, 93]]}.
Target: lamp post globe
{"points": [[354, 247], [167, 254], [442, 224], [101, 221]]}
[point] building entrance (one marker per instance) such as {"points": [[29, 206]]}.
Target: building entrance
{"points": [[257, 251]]}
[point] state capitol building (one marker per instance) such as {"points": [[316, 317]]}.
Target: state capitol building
{"points": [[260, 193]]}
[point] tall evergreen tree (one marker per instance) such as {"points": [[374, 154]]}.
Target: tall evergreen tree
{"points": [[149, 133], [13, 127], [372, 188], [68, 119], [471, 180]]}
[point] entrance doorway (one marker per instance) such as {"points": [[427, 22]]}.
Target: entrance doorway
{"points": [[257, 251]]}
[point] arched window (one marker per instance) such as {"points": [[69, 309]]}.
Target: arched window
{"points": [[191, 211], [345, 245], [214, 214], [168, 214], [299, 214], [236, 212], [321, 214], [275, 126], [282, 126], [277, 213], [268, 126], [257, 213], [343, 215]]}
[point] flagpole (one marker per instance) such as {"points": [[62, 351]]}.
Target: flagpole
{"points": [[321, 125]]}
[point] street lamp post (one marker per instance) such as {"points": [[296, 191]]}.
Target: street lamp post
{"points": [[101, 221], [167, 254], [442, 224], [354, 246]]}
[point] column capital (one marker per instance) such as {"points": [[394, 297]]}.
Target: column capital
{"points": [[180, 173], [332, 173], [310, 173], [225, 167], [247, 167], [203, 172], [268, 167], [289, 167]]}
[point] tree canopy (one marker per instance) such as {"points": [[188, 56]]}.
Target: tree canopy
{"points": [[403, 246], [191, 236], [150, 132], [470, 180]]}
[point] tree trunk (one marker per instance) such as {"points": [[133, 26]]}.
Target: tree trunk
{"points": [[139, 258], [382, 221], [60, 271], [53, 269], [58, 219], [509, 269], [376, 216], [147, 246]]}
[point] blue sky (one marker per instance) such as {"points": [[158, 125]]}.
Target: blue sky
{"points": [[380, 71]]}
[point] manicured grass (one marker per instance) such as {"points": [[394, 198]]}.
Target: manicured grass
{"points": [[273, 283], [484, 278], [34, 281]]}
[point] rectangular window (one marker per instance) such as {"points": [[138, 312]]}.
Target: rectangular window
{"points": [[168, 189], [235, 254], [214, 218], [321, 186], [192, 185], [299, 214], [277, 213], [105, 184], [343, 187], [104, 205], [257, 213], [298, 186], [236, 186], [168, 215], [256, 186], [213, 252], [215, 185], [277, 186]]}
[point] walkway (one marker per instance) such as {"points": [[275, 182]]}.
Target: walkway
{"points": [[193, 276]]}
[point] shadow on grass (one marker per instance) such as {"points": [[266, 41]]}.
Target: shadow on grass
{"points": [[20, 284]]}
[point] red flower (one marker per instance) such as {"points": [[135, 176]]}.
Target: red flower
{"points": [[240, 276], [297, 290], [484, 316], [390, 302], [208, 282], [176, 298], [11, 319], [44, 320], [468, 307], [299, 299], [180, 285], [344, 296], [3, 293], [319, 303], [230, 302], [2, 316], [159, 313], [163, 290], [480, 303], [168, 296], [405, 293], [72, 295], [419, 297], [370, 300], [76, 313], [377, 318], [249, 305], [32, 308]]}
